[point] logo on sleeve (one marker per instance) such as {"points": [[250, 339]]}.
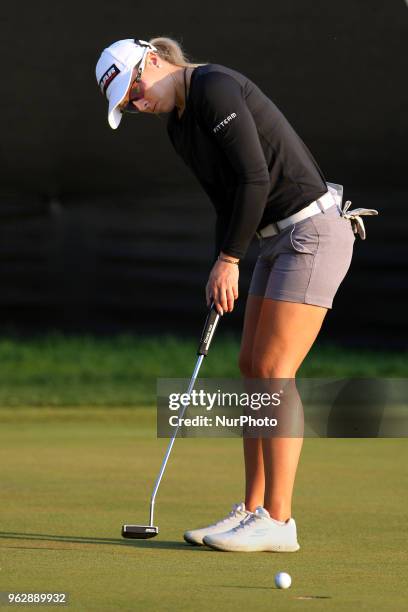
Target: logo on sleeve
{"points": [[107, 78], [224, 122]]}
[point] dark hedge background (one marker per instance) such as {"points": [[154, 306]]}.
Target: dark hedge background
{"points": [[107, 231]]}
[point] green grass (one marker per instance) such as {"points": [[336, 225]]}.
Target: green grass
{"points": [[71, 477], [55, 370], [78, 460]]}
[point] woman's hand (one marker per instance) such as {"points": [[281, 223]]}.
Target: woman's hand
{"points": [[222, 285]]}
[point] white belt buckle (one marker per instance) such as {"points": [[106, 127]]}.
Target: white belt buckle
{"points": [[270, 230]]}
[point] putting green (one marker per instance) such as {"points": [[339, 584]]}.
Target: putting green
{"points": [[70, 478]]}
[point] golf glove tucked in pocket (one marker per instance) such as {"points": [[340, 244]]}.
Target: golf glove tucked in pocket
{"points": [[355, 218]]}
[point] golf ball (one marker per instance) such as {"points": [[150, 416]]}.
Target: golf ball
{"points": [[283, 580]]}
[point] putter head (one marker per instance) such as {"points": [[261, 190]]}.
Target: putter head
{"points": [[139, 532]]}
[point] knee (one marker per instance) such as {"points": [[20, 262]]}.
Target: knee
{"points": [[258, 368], [274, 369]]}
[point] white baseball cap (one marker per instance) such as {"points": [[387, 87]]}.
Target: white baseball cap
{"points": [[114, 72]]}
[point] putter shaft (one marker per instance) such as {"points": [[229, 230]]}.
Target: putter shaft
{"points": [[170, 446], [149, 531]]}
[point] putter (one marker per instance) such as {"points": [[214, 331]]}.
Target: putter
{"points": [[142, 532]]}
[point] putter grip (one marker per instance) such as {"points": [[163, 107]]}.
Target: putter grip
{"points": [[208, 331]]}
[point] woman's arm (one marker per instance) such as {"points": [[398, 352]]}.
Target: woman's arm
{"points": [[222, 113]]}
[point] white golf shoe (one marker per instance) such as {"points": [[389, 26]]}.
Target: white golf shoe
{"points": [[257, 533], [237, 514]]}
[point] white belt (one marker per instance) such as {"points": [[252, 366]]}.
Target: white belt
{"points": [[321, 205]]}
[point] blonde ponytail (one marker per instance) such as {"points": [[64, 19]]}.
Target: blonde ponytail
{"points": [[171, 51]]}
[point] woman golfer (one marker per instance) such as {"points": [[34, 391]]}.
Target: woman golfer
{"points": [[262, 180]]}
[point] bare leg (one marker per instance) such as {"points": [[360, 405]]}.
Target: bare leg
{"points": [[254, 473], [282, 335], [253, 454], [285, 334]]}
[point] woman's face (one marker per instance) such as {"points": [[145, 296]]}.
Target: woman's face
{"points": [[155, 92]]}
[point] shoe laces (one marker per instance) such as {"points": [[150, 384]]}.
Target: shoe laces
{"points": [[230, 515], [246, 522]]}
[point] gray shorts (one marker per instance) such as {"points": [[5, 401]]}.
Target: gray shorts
{"points": [[306, 262]]}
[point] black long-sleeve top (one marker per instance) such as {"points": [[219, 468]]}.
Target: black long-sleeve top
{"points": [[247, 157]]}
